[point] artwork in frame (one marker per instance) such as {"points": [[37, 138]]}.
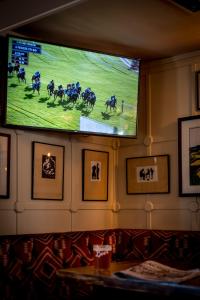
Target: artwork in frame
{"points": [[147, 175], [47, 171], [5, 140], [189, 155], [198, 90], [95, 175]]}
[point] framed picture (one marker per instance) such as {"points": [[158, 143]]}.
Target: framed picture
{"points": [[4, 165], [189, 155], [198, 90], [47, 171], [147, 175], [95, 175]]}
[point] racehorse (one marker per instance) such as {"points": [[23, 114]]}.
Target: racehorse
{"points": [[36, 76], [59, 93], [36, 86], [112, 103], [72, 89], [84, 95], [73, 97], [21, 76], [50, 88], [10, 69], [91, 100], [78, 90], [89, 97], [16, 67]]}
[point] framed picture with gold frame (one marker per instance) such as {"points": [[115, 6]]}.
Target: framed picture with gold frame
{"points": [[95, 175], [4, 165], [147, 175], [47, 171]]}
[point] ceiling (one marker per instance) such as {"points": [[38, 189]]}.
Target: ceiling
{"points": [[149, 29]]}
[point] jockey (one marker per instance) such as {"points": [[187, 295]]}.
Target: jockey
{"points": [[36, 84], [10, 67], [37, 74], [16, 66], [52, 84], [50, 87], [88, 90], [92, 94], [78, 85], [17, 63], [60, 89], [21, 71]]}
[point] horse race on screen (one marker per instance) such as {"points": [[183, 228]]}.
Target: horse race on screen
{"points": [[62, 88]]}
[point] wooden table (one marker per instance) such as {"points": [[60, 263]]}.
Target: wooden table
{"points": [[87, 282], [91, 271]]}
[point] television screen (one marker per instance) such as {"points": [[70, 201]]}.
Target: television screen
{"points": [[56, 87]]}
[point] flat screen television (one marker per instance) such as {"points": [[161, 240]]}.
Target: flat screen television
{"points": [[56, 87]]}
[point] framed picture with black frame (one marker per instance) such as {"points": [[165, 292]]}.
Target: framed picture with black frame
{"points": [[148, 175], [5, 141], [47, 171], [189, 155], [95, 173]]}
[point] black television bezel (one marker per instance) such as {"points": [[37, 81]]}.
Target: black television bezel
{"points": [[4, 82]]}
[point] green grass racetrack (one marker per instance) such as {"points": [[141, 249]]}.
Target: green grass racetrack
{"points": [[106, 75]]}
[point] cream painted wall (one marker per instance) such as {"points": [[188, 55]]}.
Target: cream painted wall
{"points": [[21, 214], [167, 93], [170, 94]]}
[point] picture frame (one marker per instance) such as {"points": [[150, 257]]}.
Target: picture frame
{"points": [[47, 171], [148, 175], [5, 141], [197, 82], [95, 174], [189, 155]]}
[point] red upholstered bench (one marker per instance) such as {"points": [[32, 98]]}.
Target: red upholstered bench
{"points": [[28, 263]]}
